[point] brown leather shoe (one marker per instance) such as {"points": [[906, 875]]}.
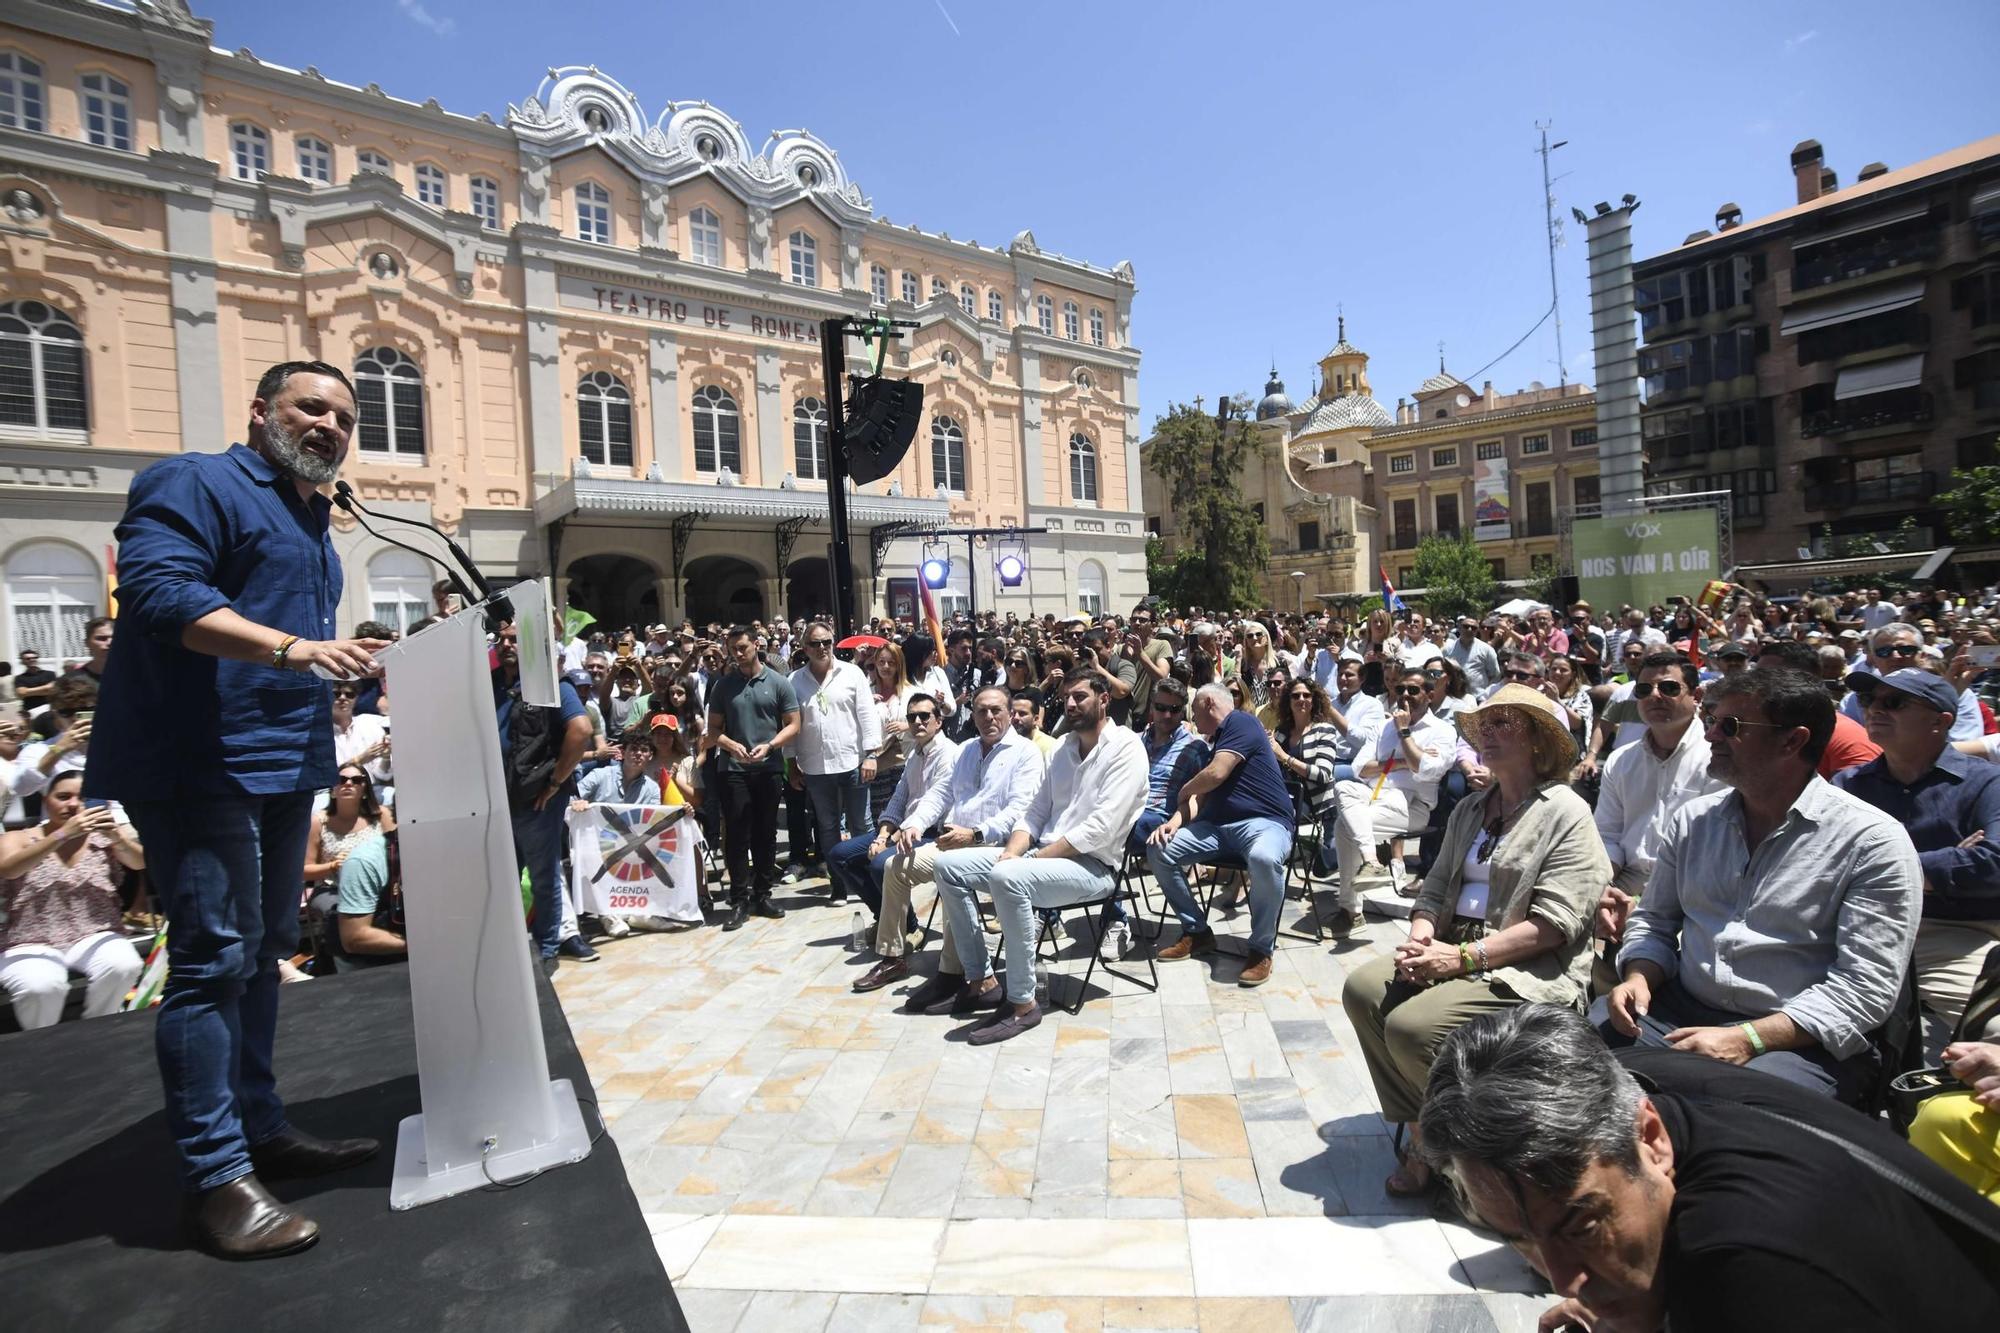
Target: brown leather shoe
{"points": [[1193, 944], [884, 973], [241, 1220], [293, 1154], [1255, 972]]}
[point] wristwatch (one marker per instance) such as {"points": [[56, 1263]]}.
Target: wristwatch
{"points": [[979, 837]]}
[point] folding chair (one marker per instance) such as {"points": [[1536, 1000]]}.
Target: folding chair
{"points": [[1047, 949]]}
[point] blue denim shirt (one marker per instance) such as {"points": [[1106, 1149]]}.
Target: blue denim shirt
{"points": [[1958, 797], [201, 532]]}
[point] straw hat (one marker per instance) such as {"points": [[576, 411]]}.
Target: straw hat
{"points": [[1541, 711]]}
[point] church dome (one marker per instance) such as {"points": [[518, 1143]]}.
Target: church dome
{"points": [[1274, 403]]}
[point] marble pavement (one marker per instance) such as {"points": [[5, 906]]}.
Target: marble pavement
{"points": [[1206, 1157]]}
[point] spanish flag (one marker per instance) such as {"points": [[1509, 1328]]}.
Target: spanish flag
{"points": [[929, 604]]}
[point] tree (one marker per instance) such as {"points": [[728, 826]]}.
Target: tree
{"points": [[1454, 575], [1972, 505], [1544, 580], [1201, 462]]}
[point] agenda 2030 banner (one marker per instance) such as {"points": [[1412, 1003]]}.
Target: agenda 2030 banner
{"points": [[1644, 559], [636, 860]]}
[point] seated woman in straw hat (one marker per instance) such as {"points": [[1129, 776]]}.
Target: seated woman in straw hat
{"points": [[1503, 918]]}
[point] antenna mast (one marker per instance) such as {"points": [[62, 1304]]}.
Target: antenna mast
{"points": [[1554, 239]]}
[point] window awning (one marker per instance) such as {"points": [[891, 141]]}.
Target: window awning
{"points": [[1860, 228], [1856, 305], [1903, 372], [1986, 201], [1925, 563]]}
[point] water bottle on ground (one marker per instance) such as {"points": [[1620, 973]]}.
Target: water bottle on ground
{"points": [[1041, 985], [859, 934]]}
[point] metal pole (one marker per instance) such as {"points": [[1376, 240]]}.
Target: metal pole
{"points": [[833, 361], [971, 582]]}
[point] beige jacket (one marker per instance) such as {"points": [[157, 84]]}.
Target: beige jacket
{"points": [[1550, 864]]}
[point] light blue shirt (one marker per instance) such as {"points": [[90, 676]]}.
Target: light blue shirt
{"points": [[989, 790], [607, 786]]}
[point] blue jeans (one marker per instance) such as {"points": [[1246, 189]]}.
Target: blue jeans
{"points": [[859, 875], [839, 807], [1263, 845], [228, 871], [1343, 772], [538, 849], [1017, 888]]}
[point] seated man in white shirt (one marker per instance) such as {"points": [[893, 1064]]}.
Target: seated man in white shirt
{"points": [[1396, 787], [857, 866], [1066, 848], [993, 778], [1646, 784]]}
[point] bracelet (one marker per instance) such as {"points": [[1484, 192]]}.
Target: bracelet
{"points": [[1465, 959], [1479, 947], [1756, 1042], [278, 653]]}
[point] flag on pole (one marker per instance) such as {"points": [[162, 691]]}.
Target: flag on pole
{"points": [[928, 601], [636, 860], [1712, 594], [1390, 601]]}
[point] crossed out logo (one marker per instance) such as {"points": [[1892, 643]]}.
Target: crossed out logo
{"points": [[638, 854]]}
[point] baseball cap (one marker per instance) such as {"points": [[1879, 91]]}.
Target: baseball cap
{"points": [[667, 720], [1914, 681], [1728, 648]]}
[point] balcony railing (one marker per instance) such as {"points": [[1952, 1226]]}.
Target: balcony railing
{"points": [[1859, 262], [1842, 494], [1867, 335], [1865, 414]]}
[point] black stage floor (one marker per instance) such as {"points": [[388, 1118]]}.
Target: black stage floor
{"points": [[89, 1202]]}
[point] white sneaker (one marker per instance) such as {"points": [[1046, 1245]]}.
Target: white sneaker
{"points": [[1057, 930], [1117, 941], [614, 927]]}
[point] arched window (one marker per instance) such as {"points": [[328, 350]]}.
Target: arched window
{"points": [[1045, 314], [593, 213], [878, 284], [1070, 329], [391, 389], [41, 369], [486, 201], [1096, 326], [315, 160], [107, 112], [805, 258], [370, 160], [939, 292], [996, 309], [809, 439], [718, 440], [1090, 588], [249, 151], [399, 589], [705, 237], [52, 593], [604, 419], [910, 288], [1082, 469], [968, 300], [21, 93], [430, 185], [947, 454]]}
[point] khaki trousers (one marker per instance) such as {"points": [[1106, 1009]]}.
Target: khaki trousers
{"points": [[1401, 1027], [903, 873], [1948, 959]]}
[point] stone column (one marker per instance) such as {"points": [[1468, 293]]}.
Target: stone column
{"points": [[664, 374], [770, 419]]}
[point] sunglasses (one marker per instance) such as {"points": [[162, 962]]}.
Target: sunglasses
{"points": [[1167, 708], [1433, 675], [1889, 701], [346, 694], [350, 779], [1523, 677], [1301, 697], [1898, 650], [819, 643], [1669, 689], [918, 717], [1731, 727], [1489, 842], [1412, 690]]}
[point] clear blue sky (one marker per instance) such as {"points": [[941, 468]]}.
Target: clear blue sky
{"points": [[1258, 164]]}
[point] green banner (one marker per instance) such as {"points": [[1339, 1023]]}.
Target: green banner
{"points": [[1644, 559]]}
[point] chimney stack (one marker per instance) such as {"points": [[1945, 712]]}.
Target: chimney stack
{"points": [[1486, 393], [1727, 216], [1806, 160], [1828, 181], [1871, 171]]}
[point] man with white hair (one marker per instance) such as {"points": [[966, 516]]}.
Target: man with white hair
{"points": [[1899, 645]]}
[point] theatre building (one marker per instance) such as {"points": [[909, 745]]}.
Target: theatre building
{"points": [[584, 336]]}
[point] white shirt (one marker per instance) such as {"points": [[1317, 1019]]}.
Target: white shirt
{"points": [[987, 790], [1476, 884], [1414, 654], [28, 775], [573, 654], [1364, 722], [1436, 740], [1092, 800], [1879, 613], [839, 723], [938, 685], [925, 768], [363, 731], [1640, 792]]}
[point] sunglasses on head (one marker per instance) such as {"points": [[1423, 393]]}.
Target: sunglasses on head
{"points": [[1669, 689]]}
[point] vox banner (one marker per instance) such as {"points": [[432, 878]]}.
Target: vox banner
{"points": [[1644, 559]]}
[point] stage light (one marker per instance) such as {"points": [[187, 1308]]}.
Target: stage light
{"points": [[1011, 570], [936, 566]]}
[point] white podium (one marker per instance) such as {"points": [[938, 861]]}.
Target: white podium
{"points": [[490, 1110]]}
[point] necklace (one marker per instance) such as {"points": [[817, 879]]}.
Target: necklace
{"points": [[1499, 826]]}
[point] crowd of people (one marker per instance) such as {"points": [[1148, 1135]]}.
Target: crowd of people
{"points": [[1765, 833]]}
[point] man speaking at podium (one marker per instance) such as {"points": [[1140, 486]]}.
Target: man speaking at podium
{"points": [[214, 734]]}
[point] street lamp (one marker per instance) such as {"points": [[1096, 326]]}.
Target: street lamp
{"points": [[1299, 580]]}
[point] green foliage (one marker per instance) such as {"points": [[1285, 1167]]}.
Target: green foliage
{"points": [[1454, 575], [1972, 505], [1225, 547], [1544, 574], [1906, 537]]}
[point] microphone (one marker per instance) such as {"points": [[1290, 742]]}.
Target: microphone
{"points": [[343, 495]]}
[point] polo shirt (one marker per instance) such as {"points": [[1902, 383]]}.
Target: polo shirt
{"points": [[1255, 789], [753, 711]]}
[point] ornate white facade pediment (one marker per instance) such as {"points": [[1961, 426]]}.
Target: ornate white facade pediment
{"points": [[579, 106]]}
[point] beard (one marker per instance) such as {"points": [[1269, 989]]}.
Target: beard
{"points": [[284, 450]]}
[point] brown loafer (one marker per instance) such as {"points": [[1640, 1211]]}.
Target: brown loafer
{"points": [[882, 974], [292, 1154], [240, 1220], [1255, 972], [1005, 1027], [970, 999], [1194, 943]]}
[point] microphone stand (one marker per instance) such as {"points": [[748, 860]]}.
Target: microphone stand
{"points": [[343, 495]]}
